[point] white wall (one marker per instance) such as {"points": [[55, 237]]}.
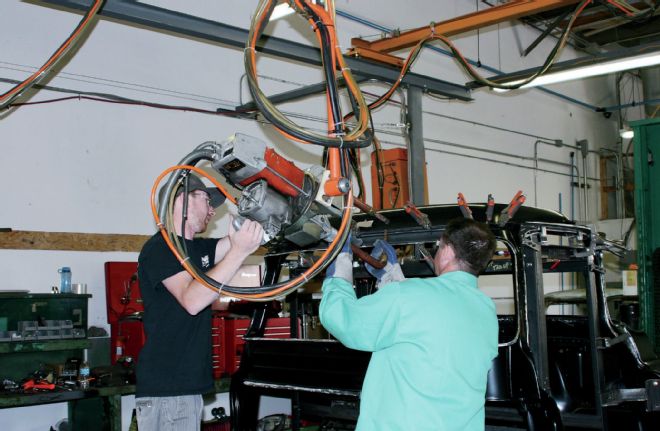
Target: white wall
{"points": [[85, 166]]}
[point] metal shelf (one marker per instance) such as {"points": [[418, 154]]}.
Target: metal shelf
{"points": [[9, 400], [44, 345]]}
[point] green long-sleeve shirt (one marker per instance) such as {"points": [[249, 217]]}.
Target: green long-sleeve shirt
{"points": [[432, 340]]}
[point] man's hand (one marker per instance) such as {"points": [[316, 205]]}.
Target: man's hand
{"points": [[247, 239], [392, 270], [342, 266]]}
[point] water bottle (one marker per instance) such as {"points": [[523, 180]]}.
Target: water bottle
{"points": [[65, 279], [83, 375]]}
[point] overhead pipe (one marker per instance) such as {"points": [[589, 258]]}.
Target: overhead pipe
{"points": [[584, 176], [572, 194], [582, 146], [585, 153], [557, 143], [490, 160], [580, 200], [618, 182]]}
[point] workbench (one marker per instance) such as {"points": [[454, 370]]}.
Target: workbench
{"points": [[97, 408], [94, 408]]}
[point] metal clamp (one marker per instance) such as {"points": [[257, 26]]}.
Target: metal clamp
{"points": [[604, 342], [421, 218], [463, 205]]}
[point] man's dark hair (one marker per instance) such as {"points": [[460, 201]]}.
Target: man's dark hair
{"points": [[473, 244]]}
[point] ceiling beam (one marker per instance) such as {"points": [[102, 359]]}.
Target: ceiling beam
{"points": [[505, 12], [298, 93], [160, 19], [598, 14]]}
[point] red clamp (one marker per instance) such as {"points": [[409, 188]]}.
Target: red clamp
{"points": [[511, 209], [421, 218], [465, 209], [490, 207], [41, 384]]}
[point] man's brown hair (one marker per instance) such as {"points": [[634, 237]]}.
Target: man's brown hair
{"points": [[473, 244]]}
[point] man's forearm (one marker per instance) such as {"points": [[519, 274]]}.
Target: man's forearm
{"points": [[338, 295], [225, 270], [221, 249], [198, 296]]}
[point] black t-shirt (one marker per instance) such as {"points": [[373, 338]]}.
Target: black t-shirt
{"points": [[176, 357]]}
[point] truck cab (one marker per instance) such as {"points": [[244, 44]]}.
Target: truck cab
{"points": [[564, 362]]}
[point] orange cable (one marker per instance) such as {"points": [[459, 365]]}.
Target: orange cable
{"points": [[184, 262], [192, 271], [334, 152], [56, 56], [626, 11]]}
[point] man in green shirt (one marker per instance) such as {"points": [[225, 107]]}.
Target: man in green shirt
{"points": [[433, 339]]}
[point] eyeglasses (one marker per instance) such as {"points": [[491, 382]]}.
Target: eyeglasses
{"points": [[204, 195]]}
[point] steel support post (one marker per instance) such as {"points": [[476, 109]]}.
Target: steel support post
{"points": [[416, 152]]}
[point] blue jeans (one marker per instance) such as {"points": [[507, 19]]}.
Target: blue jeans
{"points": [[181, 413]]}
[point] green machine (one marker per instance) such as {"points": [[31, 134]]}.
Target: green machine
{"points": [[647, 209]]}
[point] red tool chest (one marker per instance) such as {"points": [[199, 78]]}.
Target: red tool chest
{"points": [[124, 307], [227, 357], [218, 344]]}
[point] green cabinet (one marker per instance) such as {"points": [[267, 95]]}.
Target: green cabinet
{"points": [[37, 330], [15, 307], [647, 212]]}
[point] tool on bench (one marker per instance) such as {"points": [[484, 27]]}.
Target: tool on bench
{"points": [[33, 384]]}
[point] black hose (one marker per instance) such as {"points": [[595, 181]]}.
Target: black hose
{"points": [[184, 213], [201, 153], [330, 78], [282, 123]]}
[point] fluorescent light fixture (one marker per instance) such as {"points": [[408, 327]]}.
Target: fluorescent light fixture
{"points": [[626, 133], [636, 62], [281, 10], [625, 59]]}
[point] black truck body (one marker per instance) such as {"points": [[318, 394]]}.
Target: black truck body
{"points": [[582, 370]]}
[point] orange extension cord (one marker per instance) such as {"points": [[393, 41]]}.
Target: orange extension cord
{"points": [[10, 95], [266, 296]]}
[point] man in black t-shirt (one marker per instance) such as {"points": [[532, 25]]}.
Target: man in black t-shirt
{"points": [[174, 366]]}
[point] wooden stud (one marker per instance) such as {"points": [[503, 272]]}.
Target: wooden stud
{"points": [[71, 241]]}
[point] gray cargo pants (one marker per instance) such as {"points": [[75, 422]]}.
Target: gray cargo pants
{"points": [[182, 413]]}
